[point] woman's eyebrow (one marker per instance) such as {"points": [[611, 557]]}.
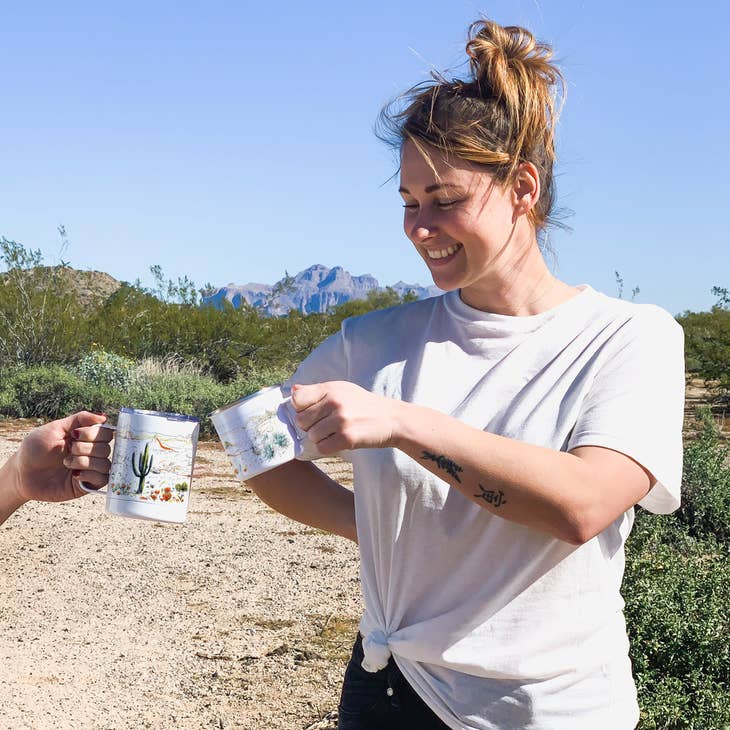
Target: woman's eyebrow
{"points": [[430, 188]]}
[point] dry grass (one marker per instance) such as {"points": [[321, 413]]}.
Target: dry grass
{"points": [[333, 636], [152, 367], [225, 492]]}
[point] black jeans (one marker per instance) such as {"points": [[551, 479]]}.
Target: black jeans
{"points": [[381, 700]]}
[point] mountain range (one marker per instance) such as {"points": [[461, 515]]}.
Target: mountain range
{"points": [[314, 290]]}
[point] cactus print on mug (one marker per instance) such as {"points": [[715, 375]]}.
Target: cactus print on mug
{"points": [[151, 467]]}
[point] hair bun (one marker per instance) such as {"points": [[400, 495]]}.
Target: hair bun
{"points": [[507, 62]]}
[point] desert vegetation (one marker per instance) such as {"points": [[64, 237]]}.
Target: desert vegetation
{"points": [[69, 341]]}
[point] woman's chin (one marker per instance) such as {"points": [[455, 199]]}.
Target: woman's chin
{"points": [[446, 281]]}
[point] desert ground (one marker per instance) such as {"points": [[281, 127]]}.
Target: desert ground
{"points": [[239, 618]]}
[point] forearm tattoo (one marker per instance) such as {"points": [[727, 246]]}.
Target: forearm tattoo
{"points": [[443, 462], [490, 496]]}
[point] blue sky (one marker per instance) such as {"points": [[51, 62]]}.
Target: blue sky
{"points": [[231, 141]]}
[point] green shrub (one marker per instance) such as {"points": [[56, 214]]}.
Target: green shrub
{"points": [[192, 395], [707, 345], [41, 318], [137, 324], [198, 395], [706, 485], [53, 391], [43, 391], [152, 366], [257, 378], [677, 592], [102, 368]]}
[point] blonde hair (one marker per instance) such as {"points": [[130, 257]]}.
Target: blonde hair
{"points": [[502, 116]]}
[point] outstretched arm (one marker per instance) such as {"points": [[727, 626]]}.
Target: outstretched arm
{"points": [[572, 496], [52, 459]]}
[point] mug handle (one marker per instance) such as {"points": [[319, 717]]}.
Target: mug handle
{"points": [[91, 490], [286, 410], [99, 490], [305, 449]]}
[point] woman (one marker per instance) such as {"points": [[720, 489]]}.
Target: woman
{"points": [[52, 459], [500, 434]]}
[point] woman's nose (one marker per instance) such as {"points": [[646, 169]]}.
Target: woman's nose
{"points": [[421, 233], [421, 230]]}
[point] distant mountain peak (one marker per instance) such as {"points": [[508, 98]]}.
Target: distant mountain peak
{"points": [[316, 289]]}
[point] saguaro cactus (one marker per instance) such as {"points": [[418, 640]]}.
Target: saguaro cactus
{"points": [[142, 465]]}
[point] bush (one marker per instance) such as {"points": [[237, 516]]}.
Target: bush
{"points": [[103, 368], [152, 366], [41, 318], [192, 395], [706, 485], [707, 345], [197, 395], [259, 377], [138, 325], [54, 391], [43, 391], [677, 593]]}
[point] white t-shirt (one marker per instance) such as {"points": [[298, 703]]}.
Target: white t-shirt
{"points": [[499, 626]]}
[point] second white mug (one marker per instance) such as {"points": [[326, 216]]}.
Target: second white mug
{"points": [[258, 432]]}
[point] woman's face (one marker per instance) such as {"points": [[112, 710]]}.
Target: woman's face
{"points": [[459, 220]]}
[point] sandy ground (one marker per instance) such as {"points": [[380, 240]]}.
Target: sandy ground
{"points": [[239, 618]]}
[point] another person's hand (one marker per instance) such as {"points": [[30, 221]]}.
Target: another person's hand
{"points": [[54, 457], [339, 415]]}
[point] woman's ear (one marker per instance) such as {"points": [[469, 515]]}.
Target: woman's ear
{"points": [[525, 189]]}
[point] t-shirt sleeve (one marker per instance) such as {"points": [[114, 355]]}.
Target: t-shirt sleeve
{"points": [[636, 403], [326, 362]]}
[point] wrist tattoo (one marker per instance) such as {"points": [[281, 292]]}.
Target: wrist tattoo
{"points": [[490, 496], [443, 462]]}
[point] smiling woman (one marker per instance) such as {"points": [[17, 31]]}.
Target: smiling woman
{"points": [[471, 230], [477, 168], [497, 433]]}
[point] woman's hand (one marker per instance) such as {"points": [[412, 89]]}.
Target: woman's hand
{"points": [[53, 458], [339, 415]]}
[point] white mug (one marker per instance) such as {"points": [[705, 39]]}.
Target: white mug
{"points": [[152, 465], [259, 432]]}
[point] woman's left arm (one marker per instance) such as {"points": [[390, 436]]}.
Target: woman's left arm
{"points": [[570, 495]]}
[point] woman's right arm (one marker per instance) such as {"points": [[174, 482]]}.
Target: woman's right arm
{"points": [[303, 492]]}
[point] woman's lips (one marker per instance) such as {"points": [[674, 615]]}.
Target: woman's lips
{"points": [[442, 256]]}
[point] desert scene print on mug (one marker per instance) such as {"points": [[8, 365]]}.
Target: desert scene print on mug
{"points": [[264, 439], [151, 467], [258, 432]]}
